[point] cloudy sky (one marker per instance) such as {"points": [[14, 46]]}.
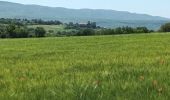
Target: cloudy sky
{"points": [[152, 7]]}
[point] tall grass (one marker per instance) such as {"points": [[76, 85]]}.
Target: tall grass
{"points": [[125, 67]]}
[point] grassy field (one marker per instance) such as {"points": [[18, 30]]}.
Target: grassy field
{"points": [[125, 67], [49, 27], [54, 28]]}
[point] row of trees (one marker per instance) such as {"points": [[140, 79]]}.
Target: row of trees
{"points": [[120, 30], [16, 31], [29, 22], [125, 30], [43, 22], [89, 24], [105, 31], [16, 28]]}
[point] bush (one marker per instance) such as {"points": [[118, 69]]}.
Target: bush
{"points": [[165, 28], [21, 32], [142, 30], [40, 32], [15, 31], [10, 30], [86, 32]]}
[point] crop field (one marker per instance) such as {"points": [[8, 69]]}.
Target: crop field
{"points": [[119, 67]]}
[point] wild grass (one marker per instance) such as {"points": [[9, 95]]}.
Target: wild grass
{"points": [[54, 28], [120, 67]]}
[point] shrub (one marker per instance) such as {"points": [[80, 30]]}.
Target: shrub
{"points": [[165, 28], [40, 32], [86, 32]]}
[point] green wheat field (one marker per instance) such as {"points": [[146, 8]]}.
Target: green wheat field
{"points": [[119, 67]]}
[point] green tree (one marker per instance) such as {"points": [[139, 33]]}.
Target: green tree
{"points": [[2, 31], [40, 32], [10, 30], [21, 32], [86, 32], [165, 27], [142, 30], [118, 30]]}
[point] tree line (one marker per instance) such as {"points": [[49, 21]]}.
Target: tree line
{"points": [[89, 24], [29, 22], [17, 31], [17, 28], [105, 31]]}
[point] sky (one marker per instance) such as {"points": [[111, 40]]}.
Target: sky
{"points": [[152, 7]]}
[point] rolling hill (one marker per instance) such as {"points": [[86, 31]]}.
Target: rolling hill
{"points": [[105, 18]]}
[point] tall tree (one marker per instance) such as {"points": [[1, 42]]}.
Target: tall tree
{"points": [[40, 32]]}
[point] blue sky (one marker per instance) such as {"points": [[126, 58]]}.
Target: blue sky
{"points": [[152, 7]]}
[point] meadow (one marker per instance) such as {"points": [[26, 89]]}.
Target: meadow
{"points": [[53, 28], [118, 67]]}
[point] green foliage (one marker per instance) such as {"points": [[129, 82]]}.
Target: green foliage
{"points": [[118, 30], [2, 31], [89, 24], [14, 31], [142, 30], [22, 22], [23, 28], [54, 28], [40, 32], [124, 30], [10, 30], [86, 32], [165, 27], [121, 67], [21, 32]]}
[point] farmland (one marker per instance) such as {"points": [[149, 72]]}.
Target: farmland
{"points": [[54, 28], [119, 67]]}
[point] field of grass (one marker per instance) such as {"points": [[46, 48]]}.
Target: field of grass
{"points": [[54, 28], [49, 27], [120, 67]]}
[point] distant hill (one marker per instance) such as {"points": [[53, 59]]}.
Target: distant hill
{"points": [[105, 18]]}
